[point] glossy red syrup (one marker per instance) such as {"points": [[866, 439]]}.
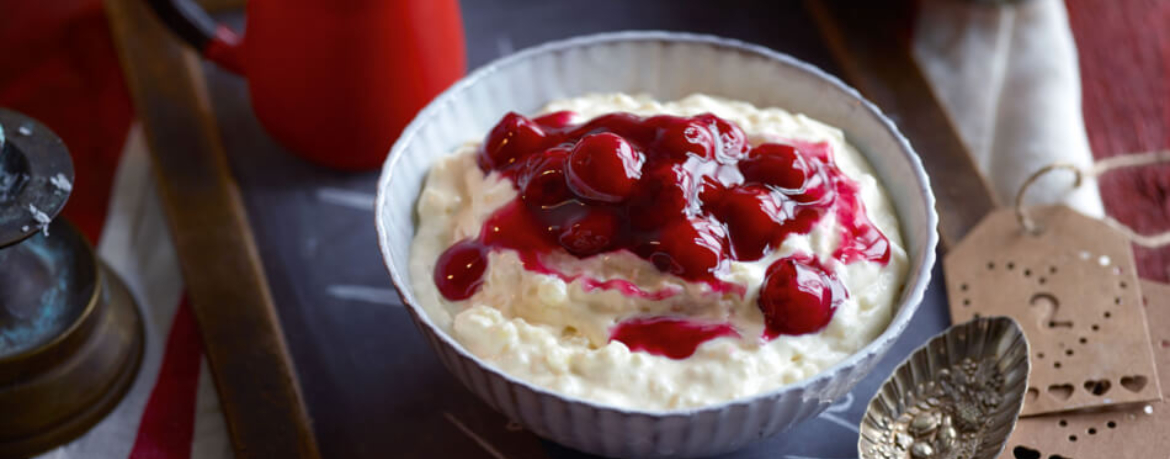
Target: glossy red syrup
{"points": [[666, 336], [688, 194]]}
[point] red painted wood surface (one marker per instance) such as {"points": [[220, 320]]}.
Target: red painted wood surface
{"points": [[1124, 52]]}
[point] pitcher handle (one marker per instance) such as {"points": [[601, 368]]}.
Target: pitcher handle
{"points": [[190, 22]]}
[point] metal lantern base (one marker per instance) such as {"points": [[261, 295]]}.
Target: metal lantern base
{"points": [[72, 354]]}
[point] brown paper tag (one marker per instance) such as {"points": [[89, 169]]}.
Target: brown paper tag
{"points": [[1137, 431], [1072, 287]]}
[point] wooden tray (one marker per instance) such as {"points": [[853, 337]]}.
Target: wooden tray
{"points": [[226, 285]]}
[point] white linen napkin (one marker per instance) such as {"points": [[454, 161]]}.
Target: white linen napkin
{"points": [[1009, 79]]}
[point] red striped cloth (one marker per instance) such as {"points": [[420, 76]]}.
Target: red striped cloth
{"points": [[167, 426]]}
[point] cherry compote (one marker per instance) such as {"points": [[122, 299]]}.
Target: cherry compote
{"points": [[688, 194]]}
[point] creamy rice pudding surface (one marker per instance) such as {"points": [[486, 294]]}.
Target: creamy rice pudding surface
{"points": [[576, 265]]}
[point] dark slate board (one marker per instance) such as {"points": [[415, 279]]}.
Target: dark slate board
{"points": [[372, 386]]}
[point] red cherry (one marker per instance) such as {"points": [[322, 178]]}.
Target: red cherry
{"points": [[712, 193], [663, 195], [555, 120], [604, 168], [690, 248], [798, 297], [680, 137], [543, 184], [510, 141], [590, 233], [627, 125], [459, 270], [516, 226], [818, 189], [753, 217], [730, 141], [802, 218], [775, 164]]}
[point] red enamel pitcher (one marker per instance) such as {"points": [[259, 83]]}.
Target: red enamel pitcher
{"points": [[335, 81]]}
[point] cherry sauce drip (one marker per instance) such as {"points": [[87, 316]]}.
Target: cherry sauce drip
{"points": [[666, 336]]}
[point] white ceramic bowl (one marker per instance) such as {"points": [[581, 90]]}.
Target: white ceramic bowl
{"points": [[668, 66]]}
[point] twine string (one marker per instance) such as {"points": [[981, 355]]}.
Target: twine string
{"points": [[1099, 168], [1022, 214]]}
